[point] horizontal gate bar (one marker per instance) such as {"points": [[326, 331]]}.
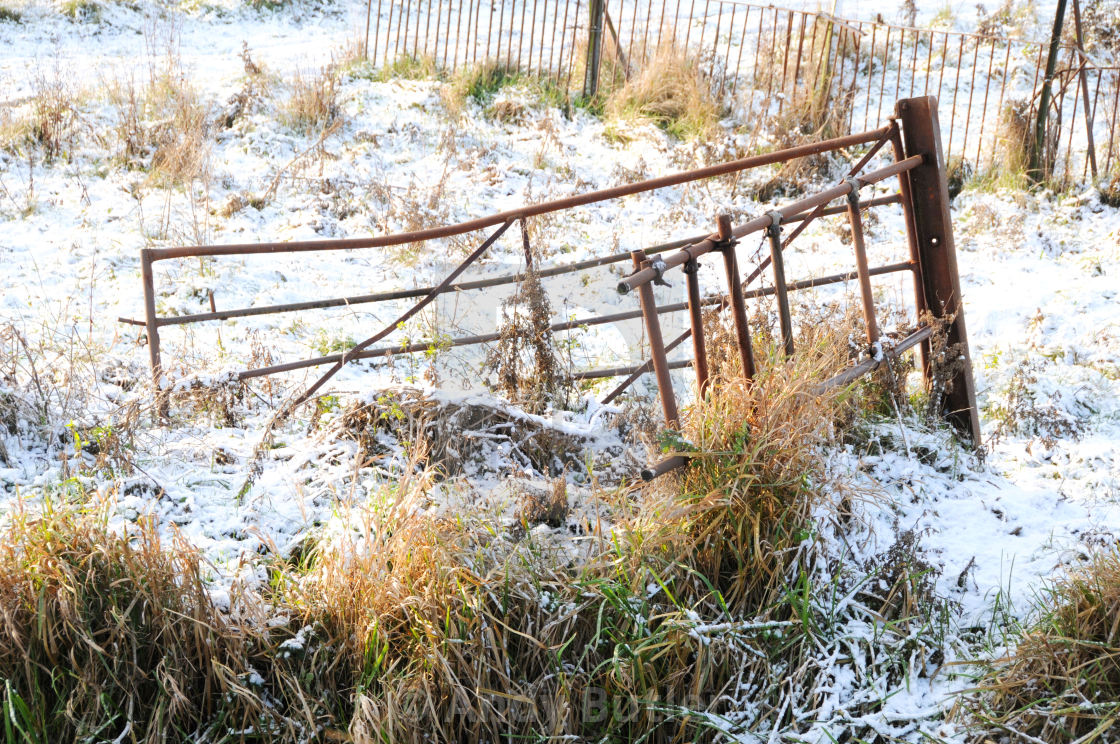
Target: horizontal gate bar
{"points": [[854, 373], [710, 243], [404, 294], [567, 325], [556, 205], [595, 374]]}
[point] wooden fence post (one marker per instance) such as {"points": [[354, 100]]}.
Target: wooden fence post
{"points": [[937, 257], [594, 48], [1037, 167]]}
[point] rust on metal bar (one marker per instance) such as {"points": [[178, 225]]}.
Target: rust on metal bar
{"points": [[735, 297], [754, 293], [665, 466], [868, 301], [821, 211], [481, 223], [405, 294], [696, 323], [912, 243], [859, 370], [851, 374], [785, 320], [845, 276], [425, 346], [642, 369], [696, 250], [864, 204], [566, 325], [404, 316], [657, 345]]}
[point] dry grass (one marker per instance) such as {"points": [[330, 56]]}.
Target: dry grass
{"points": [[163, 126], [478, 84], [1008, 165], [105, 635], [1063, 681], [670, 92], [755, 475], [524, 363], [48, 122], [404, 620], [459, 437], [811, 106], [546, 507], [313, 103]]}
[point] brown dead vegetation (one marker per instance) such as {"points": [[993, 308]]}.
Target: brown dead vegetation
{"points": [[1062, 682]]}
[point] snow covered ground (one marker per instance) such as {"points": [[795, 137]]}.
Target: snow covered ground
{"points": [[1039, 274]]}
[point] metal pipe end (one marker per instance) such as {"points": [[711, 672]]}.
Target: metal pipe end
{"points": [[648, 474], [623, 288]]}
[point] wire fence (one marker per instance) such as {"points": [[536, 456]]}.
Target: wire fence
{"points": [[797, 74]]}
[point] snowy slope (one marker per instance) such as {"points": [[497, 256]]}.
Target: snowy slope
{"points": [[1039, 275]]}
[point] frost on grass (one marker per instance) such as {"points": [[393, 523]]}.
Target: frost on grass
{"points": [[869, 595]]}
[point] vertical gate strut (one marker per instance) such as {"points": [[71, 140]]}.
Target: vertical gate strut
{"points": [[735, 292], [774, 233], [656, 344]]}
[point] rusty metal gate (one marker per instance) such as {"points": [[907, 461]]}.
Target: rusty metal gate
{"points": [[918, 165]]}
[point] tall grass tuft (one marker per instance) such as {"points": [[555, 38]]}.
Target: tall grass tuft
{"points": [[408, 618], [755, 476], [480, 84], [1063, 681], [670, 92], [163, 126], [313, 103], [104, 635], [1013, 140]]}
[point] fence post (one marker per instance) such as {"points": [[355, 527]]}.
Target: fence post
{"points": [[1035, 169], [777, 262], [594, 48], [937, 256], [152, 328], [911, 241], [365, 44], [1089, 109]]}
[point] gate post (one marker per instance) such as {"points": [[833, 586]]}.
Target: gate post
{"points": [[937, 256]]}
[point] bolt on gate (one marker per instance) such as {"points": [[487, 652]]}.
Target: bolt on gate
{"points": [[918, 164]]}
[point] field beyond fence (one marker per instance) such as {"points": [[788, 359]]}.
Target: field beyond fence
{"points": [[801, 74]]}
